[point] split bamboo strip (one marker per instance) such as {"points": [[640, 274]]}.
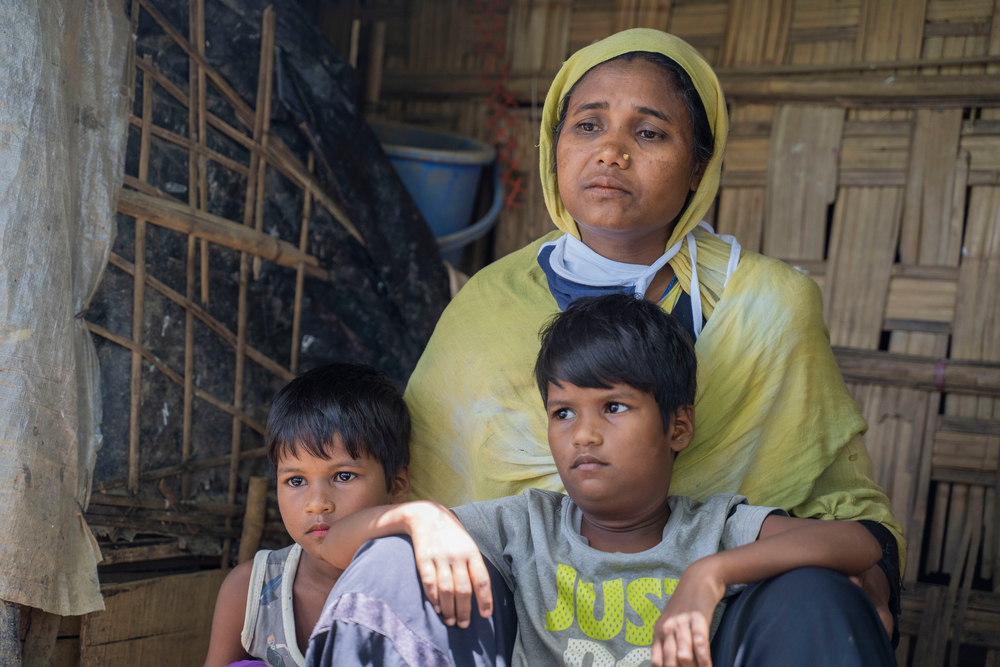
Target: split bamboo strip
{"points": [[190, 466], [186, 220], [267, 70], [246, 115], [194, 194], [973, 520], [263, 90], [862, 247], [129, 501], [300, 272], [927, 234], [213, 324], [918, 511], [139, 292], [199, 43], [966, 377], [741, 214], [871, 91], [193, 146], [802, 180]]}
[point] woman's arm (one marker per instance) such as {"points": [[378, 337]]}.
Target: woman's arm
{"points": [[225, 644], [450, 565], [784, 544]]}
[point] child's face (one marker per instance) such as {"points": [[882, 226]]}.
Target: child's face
{"points": [[610, 448], [313, 493]]}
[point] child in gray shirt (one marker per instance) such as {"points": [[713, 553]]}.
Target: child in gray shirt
{"points": [[616, 573]]}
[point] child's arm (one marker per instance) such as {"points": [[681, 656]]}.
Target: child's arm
{"points": [[225, 645], [450, 565], [784, 544]]}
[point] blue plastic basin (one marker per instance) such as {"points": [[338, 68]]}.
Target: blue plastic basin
{"points": [[441, 171]]}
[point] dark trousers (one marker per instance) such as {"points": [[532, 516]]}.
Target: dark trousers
{"points": [[377, 615]]}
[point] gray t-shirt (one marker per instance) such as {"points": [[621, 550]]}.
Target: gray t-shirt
{"points": [[573, 600]]}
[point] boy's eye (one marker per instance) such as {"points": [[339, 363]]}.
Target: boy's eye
{"points": [[617, 408], [344, 476], [563, 413], [295, 482]]}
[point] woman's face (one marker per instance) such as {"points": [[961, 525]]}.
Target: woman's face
{"points": [[621, 109]]}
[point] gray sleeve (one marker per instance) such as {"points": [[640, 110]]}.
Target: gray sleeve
{"points": [[744, 522], [494, 524]]}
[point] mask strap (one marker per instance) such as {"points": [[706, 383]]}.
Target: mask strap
{"points": [[695, 286]]}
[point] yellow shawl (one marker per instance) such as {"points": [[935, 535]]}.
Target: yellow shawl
{"points": [[774, 421]]}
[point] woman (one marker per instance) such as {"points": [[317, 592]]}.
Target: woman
{"points": [[632, 140]]}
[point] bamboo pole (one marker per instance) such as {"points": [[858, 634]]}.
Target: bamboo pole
{"points": [[967, 377], [194, 194], [186, 220], [300, 272], [139, 292], [267, 71], [263, 91], [202, 140], [253, 519]]}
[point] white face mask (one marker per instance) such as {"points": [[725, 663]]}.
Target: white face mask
{"points": [[573, 260]]}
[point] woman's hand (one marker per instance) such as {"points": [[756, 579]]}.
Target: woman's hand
{"points": [[681, 636], [449, 562]]}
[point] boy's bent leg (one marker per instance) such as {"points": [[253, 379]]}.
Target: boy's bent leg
{"points": [[377, 614], [809, 616]]}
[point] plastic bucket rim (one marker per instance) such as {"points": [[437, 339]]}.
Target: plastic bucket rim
{"points": [[484, 153]]}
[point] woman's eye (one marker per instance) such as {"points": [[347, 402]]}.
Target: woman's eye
{"points": [[617, 408], [648, 134], [344, 476], [295, 482], [587, 127]]}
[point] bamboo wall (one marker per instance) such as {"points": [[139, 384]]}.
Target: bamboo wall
{"points": [[865, 150]]}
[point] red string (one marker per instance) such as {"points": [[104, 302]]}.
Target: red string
{"points": [[491, 28]]}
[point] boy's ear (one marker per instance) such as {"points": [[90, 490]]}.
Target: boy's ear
{"points": [[401, 486], [681, 431]]}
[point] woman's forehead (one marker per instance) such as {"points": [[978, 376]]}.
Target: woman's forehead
{"points": [[637, 82]]}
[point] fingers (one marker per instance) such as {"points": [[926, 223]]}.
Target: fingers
{"points": [[682, 642], [446, 593], [482, 585], [427, 569], [463, 594], [699, 635]]}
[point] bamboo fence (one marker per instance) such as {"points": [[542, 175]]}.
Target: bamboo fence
{"points": [[865, 151], [167, 523]]}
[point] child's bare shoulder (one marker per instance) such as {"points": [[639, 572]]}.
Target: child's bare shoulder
{"points": [[237, 583], [227, 624]]}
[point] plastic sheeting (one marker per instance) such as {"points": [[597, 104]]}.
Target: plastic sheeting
{"points": [[63, 115]]}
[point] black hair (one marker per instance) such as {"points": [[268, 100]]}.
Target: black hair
{"points": [[601, 341], [680, 83], [356, 402]]}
